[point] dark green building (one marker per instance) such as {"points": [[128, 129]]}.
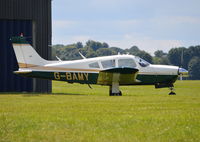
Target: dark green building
{"points": [[33, 19]]}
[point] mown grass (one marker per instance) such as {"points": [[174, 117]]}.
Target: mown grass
{"points": [[76, 113]]}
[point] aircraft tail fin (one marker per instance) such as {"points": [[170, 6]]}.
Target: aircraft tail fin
{"points": [[25, 53]]}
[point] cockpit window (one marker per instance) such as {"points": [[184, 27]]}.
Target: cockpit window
{"points": [[94, 65], [143, 63], [126, 63], [108, 63]]}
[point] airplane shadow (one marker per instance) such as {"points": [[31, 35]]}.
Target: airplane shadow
{"points": [[29, 94], [67, 94]]}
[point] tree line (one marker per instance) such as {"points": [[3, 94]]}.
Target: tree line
{"points": [[188, 58]]}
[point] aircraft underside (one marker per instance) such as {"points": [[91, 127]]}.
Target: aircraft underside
{"points": [[92, 78], [159, 81]]}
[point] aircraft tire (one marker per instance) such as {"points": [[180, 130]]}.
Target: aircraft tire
{"points": [[120, 93], [172, 93], [111, 94], [115, 94]]}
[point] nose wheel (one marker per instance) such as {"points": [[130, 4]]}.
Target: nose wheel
{"points": [[172, 91]]}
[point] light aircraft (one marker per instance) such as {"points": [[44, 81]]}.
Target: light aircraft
{"points": [[112, 71]]}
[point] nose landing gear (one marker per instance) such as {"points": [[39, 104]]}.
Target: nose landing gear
{"points": [[172, 91]]}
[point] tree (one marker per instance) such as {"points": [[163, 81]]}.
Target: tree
{"points": [[159, 53], [70, 52], [146, 56], [79, 45], [160, 58], [194, 68], [194, 51], [91, 54], [116, 50], [104, 52], [133, 50], [161, 61], [181, 56], [178, 57], [96, 45], [105, 45]]}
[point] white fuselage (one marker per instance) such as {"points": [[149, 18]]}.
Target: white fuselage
{"points": [[84, 65]]}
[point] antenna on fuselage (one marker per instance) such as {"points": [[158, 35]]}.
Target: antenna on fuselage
{"points": [[82, 55], [58, 58], [181, 76]]}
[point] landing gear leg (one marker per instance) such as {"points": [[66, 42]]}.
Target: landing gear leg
{"points": [[114, 90], [172, 91]]}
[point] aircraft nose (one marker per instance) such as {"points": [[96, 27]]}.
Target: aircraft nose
{"points": [[182, 71]]}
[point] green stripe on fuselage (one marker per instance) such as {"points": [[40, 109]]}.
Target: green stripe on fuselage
{"points": [[91, 78], [71, 77]]}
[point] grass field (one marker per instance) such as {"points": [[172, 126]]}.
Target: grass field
{"points": [[76, 113]]}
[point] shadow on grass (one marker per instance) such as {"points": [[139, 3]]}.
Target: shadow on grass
{"points": [[32, 94], [25, 94], [68, 94]]}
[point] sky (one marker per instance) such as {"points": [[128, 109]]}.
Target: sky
{"points": [[149, 24]]}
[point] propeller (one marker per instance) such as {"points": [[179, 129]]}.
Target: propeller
{"points": [[181, 71], [180, 68]]}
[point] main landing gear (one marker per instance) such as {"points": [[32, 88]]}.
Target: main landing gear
{"points": [[172, 91], [118, 93], [114, 87], [114, 90]]}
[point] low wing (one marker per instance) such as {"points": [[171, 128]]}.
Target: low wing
{"points": [[123, 75]]}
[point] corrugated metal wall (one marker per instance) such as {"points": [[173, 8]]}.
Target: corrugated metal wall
{"points": [[32, 17], [8, 64]]}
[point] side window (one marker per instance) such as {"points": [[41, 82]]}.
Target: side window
{"points": [[108, 63], [94, 65], [126, 63]]}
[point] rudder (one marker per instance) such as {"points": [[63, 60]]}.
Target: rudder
{"points": [[25, 54]]}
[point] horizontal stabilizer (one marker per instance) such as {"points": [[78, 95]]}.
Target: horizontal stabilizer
{"points": [[22, 71]]}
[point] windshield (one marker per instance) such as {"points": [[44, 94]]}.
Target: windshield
{"points": [[142, 62]]}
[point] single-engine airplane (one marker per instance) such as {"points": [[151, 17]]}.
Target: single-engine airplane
{"points": [[112, 70]]}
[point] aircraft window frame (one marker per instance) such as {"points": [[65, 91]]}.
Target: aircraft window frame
{"points": [[94, 65], [108, 63], [125, 61]]}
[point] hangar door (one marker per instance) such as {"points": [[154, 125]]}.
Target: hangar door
{"points": [[10, 82]]}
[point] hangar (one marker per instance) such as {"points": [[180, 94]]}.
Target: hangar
{"points": [[33, 19]]}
